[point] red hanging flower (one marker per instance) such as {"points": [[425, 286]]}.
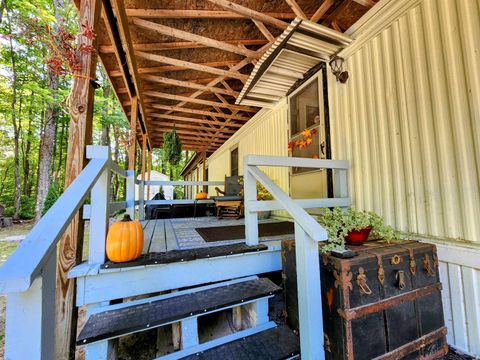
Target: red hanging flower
{"points": [[88, 31], [87, 49]]}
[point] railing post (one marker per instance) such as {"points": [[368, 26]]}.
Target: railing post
{"points": [[130, 196], [250, 194], [341, 183], [141, 198], [309, 296], [99, 211], [30, 322]]}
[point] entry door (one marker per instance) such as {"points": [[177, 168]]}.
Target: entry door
{"points": [[309, 131]]}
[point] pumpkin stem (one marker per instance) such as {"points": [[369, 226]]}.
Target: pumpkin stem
{"points": [[126, 218]]}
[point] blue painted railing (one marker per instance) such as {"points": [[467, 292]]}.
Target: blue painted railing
{"points": [[308, 232]]}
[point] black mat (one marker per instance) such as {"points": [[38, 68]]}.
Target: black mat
{"points": [[235, 232], [273, 344], [174, 256], [118, 322]]}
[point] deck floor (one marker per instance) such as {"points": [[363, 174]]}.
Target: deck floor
{"points": [[163, 235]]}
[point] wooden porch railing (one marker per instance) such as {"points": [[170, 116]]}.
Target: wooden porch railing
{"points": [[28, 275], [308, 233]]}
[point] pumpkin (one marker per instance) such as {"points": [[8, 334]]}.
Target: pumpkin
{"points": [[201, 195], [125, 240]]}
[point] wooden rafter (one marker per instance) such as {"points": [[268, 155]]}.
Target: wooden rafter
{"points": [[109, 49], [193, 120], [181, 125], [191, 65], [168, 96], [335, 13], [252, 14], [263, 29], [180, 34], [190, 132], [200, 14], [296, 9], [189, 84], [326, 5], [199, 112], [158, 69], [366, 3]]}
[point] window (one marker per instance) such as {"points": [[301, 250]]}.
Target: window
{"points": [[306, 113], [234, 162]]}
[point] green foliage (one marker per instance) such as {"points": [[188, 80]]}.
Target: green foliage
{"points": [[172, 147], [263, 193], [53, 194], [339, 223], [27, 207]]}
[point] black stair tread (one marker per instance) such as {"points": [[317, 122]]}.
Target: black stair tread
{"points": [[273, 344], [186, 255], [114, 323]]}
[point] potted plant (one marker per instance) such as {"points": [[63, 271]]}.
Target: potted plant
{"points": [[263, 194], [353, 227]]}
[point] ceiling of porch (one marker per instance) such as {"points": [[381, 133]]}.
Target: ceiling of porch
{"points": [[187, 61]]}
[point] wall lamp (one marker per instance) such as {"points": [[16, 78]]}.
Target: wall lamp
{"points": [[336, 64]]}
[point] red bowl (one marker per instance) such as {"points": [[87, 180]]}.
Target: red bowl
{"points": [[357, 237]]}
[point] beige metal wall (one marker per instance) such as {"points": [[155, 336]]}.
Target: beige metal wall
{"points": [[264, 134], [408, 119]]}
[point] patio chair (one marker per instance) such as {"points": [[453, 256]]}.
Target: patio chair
{"points": [[230, 202]]}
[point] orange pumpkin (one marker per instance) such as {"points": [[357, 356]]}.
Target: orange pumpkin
{"points": [[201, 195], [125, 240]]}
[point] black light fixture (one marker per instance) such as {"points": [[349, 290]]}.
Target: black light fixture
{"points": [[336, 64]]}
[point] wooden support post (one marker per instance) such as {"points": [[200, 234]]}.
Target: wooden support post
{"points": [[99, 212], [149, 175], [250, 315], [250, 194], [205, 188], [189, 328], [133, 134], [130, 193], [141, 195], [31, 318], [80, 135], [309, 295]]}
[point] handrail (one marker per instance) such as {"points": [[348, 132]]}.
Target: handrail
{"points": [[25, 264], [308, 232], [184, 183]]}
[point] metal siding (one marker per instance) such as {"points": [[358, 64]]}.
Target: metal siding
{"points": [[264, 134], [408, 119]]}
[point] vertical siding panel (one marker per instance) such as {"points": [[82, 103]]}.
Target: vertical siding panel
{"points": [[461, 130], [471, 286], [432, 221], [447, 306], [458, 306], [385, 175], [441, 114], [398, 127]]}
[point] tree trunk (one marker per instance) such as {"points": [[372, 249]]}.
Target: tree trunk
{"points": [[26, 151], [105, 121], [2, 184], [47, 140], [16, 129]]}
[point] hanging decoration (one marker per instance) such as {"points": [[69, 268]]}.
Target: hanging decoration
{"points": [[304, 141], [172, 147]]}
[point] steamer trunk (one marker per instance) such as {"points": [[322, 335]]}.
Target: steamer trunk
{"points": [[384, 303]]}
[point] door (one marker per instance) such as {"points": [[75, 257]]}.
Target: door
{"points": [[308, 138]]}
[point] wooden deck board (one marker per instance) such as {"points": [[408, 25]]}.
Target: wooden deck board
{"points": [[171, 239], [148, 232], [158, 243]]}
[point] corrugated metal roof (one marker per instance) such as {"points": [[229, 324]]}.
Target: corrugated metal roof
{"points": [[301, 46]]}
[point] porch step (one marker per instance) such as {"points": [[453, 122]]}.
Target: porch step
{"points": [[174, 256], [273, 344], [125, 320]]}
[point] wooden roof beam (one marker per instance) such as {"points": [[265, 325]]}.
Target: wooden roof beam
{"points": [[167, 96], [189, 132], [157, 69], [296, 9], [252, 14], [192, 66], [193, 120], [169, 45], [189, 84], [263, 29], [179, 125], [180, 34], [339, 10], [199, 112], [200, 14], [366, 3], [326, 5]]}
